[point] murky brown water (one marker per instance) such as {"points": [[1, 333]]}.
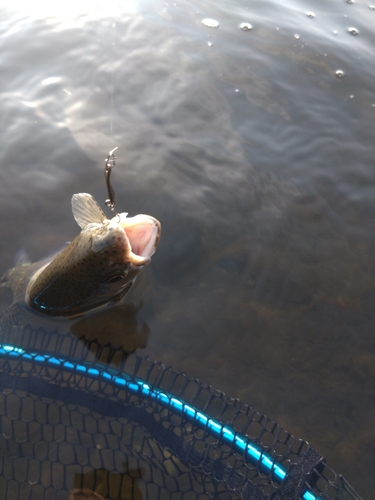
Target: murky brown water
{"points": [[254, 152]]}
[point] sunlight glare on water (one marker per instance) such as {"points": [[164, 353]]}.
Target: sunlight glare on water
{"points": [[73, 12]]}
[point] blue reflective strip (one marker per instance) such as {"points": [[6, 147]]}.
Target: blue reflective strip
{"points": [[189, 411], [11, 348], [39, 358], [106, 376], [27, 357], [225, 433], [241, 443], [280, 474], [308, 495], [132, 386], [55, 361], [177, 403]]}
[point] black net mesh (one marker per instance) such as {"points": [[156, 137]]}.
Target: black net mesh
{"points": [[65, 435]]}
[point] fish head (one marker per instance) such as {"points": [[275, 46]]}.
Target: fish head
{"points": [[97, 267], [118, 249], [126, 243]]}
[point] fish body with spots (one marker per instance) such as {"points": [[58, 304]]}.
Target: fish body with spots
{"points": [[97, 267]]}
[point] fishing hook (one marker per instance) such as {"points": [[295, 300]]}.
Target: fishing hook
{"points": [[109, 165]]}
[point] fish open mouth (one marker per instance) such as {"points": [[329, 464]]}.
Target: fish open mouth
{"points": [[143, 233]]}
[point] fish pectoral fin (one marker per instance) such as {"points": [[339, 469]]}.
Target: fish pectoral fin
{"points": [[86, 210]]}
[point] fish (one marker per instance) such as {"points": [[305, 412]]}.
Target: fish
{"points": [[98, 267]]}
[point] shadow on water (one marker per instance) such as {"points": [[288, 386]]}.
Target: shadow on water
{"points": [[116, 329]]}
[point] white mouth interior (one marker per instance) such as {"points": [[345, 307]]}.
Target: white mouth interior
{"points": [[143, 234]]}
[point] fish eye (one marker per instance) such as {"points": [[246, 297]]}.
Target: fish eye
{"points": [[114, 279], [100, 231]]}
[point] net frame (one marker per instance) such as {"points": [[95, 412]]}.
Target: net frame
{"points": [[65, 429]]}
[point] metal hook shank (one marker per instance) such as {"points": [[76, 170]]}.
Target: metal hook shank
{"points": [[109, 164]]}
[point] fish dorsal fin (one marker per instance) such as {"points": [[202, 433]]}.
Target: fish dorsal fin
{"points": [[86, 210]]}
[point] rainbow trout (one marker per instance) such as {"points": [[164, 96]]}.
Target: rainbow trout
{"points": [[97, 267]]}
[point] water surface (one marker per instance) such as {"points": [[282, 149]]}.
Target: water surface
{"points": [[254, 148]]}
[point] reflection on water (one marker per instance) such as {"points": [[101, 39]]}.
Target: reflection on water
{"points": [[101, 484], [256, 158], [116, 327]]}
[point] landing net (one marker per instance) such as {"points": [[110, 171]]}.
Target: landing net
{"points": [[79, 419]]}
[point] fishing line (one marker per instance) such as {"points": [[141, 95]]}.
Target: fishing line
{"points": [[112, 84], [111, 100], [110, 160]]}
